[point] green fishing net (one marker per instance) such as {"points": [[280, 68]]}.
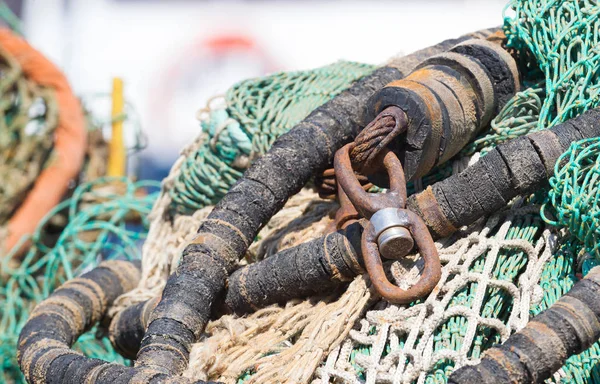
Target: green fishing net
{"points": [[258, 111], [561, 78], [560, 42], [103, 219]]}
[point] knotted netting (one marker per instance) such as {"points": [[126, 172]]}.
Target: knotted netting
{"points": [[258, 111], [496, 275], [95, 223]]}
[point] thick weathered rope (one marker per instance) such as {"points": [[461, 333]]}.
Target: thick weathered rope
{"points": [[96, 228]]}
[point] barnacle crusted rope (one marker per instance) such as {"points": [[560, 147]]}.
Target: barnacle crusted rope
{"points": [[347, 124]]}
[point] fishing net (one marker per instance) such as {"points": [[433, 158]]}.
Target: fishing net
{"points": [[258, 111], [496, 275], [573, 195], [104, 219]]}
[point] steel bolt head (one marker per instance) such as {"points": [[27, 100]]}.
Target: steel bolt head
{"points": [[395, 242], [393, 239]]}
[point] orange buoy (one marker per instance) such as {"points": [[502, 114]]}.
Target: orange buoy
{"points": [[69, 140]]}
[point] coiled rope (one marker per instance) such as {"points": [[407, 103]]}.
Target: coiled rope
{"points": [[99, 216]]}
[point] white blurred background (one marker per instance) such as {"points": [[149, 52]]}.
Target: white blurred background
{"points": [[175, 54]]}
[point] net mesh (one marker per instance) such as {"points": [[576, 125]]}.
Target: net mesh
{"points": [[489, 282], [496, 274], [258, 111], [98, 219], [574, 198]]}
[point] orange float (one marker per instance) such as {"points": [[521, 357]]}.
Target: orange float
{"points": [[69, 140]]}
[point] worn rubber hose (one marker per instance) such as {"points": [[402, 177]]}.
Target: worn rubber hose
{"points": [[532, 355]]}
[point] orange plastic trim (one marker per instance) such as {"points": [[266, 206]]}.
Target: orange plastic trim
{"points": [[69, 139]]}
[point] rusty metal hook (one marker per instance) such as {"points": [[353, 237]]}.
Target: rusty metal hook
{"points": [[431, 273]]}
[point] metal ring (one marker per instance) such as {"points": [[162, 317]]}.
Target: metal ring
{"points": [[431, 272]]}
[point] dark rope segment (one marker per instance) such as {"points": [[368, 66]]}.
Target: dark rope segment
{"points": [[45, 354], [326, 184], [376, 136], [199, 282], [128, 326], [517, 167], [447, 100], [315, 267], [532, 355]]}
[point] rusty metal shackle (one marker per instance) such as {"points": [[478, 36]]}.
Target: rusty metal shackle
{"points": [[392, 230], [431, 272]]}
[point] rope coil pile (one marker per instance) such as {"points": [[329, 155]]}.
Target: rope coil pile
{"points": [[29, 117], [65, 138]]}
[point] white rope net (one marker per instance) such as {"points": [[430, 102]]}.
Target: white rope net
{"points": [[401, 340]]}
